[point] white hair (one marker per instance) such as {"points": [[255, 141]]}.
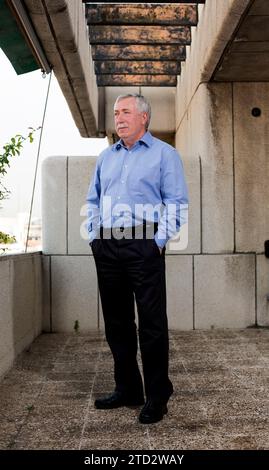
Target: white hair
{"points": [[142, 104]]}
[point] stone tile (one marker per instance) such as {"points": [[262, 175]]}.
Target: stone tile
{"points": [[115, 443], [49, 342], [196, 367], [53, 423], [224, 380], [19, 391], [26, 376], [9, 431], [241, 441], [211, 439], [224, 406], [64, 393], [79, 356], [16, 401], [71, 376], [236, 432], [123, 423], [187, 441], [44, 443], [77, 367]]}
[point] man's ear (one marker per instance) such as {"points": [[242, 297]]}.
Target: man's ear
{"points": [[145, 117]]}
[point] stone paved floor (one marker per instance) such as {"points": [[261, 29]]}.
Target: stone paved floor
{"points": [[221, 399]]}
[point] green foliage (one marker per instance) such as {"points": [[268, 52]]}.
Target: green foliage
{"points": [[30, 407], [4, 238], [10, 150]]}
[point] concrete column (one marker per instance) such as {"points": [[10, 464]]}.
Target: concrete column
{"points": [[206, 133], [251, 147]]}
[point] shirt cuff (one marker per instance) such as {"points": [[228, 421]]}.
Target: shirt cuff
{"points": [[161, 242], [92, 236]]}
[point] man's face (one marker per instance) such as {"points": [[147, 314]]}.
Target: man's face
{"points": [[129, 122]]}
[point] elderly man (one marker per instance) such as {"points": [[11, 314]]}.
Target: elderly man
{"points": [[135, 204]]}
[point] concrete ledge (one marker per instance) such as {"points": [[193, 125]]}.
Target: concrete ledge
{"points": [[65, 183], [21, 305]]}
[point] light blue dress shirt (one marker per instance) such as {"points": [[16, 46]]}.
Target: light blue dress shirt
{"points": [[144, 182]]}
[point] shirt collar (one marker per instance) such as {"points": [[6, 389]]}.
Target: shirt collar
{"points": [[147, 140]]}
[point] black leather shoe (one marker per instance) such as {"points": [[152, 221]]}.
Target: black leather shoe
{"points": [[152, 412], [116, 400]]}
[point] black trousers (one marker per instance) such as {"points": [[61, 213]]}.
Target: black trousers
{"points": [[131, 270]]}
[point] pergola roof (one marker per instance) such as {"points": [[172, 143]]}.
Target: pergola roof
{"points": [[140, 44]]}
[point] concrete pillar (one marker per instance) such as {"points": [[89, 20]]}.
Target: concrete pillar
{"points": [[231, 140]]}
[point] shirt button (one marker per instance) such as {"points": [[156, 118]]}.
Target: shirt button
{"points": [[118, 197], [122, 181]]}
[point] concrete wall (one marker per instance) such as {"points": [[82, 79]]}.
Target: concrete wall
{"points": [[231, 274], [20, 306], [218, 19]]}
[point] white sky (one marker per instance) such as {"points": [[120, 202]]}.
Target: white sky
{"points": [[22, 101]]}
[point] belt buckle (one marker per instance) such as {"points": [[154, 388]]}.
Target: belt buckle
{"points": [[119, 229]]}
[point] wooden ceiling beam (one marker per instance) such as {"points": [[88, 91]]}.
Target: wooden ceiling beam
{"points": [[138, 52], [139, 34], [141, 67], [136, 80], [142, 13]]}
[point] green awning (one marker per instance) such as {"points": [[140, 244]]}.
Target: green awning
{"points": [[13, 43]]}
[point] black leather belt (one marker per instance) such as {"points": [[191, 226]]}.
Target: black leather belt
{"points": [[145, 230]]}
